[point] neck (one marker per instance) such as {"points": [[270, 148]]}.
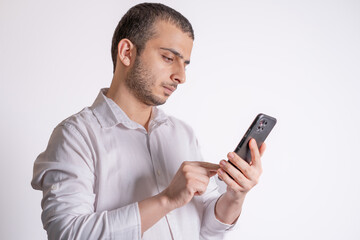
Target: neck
{"points": [[134, 109]]}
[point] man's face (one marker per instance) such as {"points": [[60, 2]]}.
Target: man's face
{"points": [[161, 65]]}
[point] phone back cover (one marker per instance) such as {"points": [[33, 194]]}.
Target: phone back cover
{"points": [[259, 131]]}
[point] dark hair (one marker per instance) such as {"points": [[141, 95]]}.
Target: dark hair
{"points": [[137, 25]]}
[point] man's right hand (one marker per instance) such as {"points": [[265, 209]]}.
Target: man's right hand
{"points": [[191, 179]]}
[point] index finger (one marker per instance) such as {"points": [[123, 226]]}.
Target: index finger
{"points": [[207, 165]]}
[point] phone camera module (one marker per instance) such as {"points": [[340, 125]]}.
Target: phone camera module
{"points": [[261, 126]]}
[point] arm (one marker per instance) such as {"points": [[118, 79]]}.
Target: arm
{"points": [[65, 173], [229, 205]]}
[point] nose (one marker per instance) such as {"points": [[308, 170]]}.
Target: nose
{"points": [[179, 75]]}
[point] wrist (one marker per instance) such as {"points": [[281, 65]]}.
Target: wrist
{"points": [[235, 198], [165, 202], [228, 208]]}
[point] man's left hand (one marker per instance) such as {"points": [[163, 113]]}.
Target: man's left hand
{"points": [[244, 180]]}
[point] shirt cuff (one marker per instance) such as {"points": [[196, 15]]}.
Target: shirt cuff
{"points": [[125, 222], [212, 224]]}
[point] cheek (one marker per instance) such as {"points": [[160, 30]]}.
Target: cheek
{"points": [[160, 72]]}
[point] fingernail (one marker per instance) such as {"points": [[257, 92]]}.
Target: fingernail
{"points": [[220, 172], [231, 155], [222, 163]]}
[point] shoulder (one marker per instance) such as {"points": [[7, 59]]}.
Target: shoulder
{"points": [[80, 121], [182, 135], [77, 128], [85, 116], [180, 124], [180, 129]]}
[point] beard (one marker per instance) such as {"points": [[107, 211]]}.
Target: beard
{"points": [[140, 81]]}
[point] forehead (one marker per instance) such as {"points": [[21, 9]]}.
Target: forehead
{"points": [[168, 35]]}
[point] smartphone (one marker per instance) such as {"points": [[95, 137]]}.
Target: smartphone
{"points": [[259, 130]]}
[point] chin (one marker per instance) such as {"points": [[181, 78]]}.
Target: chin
{"points": [[160, 100], [160, 103], [155, 102]]}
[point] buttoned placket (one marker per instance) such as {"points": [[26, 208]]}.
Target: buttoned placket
{"points": [[159, 175]]}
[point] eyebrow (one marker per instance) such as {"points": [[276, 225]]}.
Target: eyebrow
{"points": [[187, 62]]}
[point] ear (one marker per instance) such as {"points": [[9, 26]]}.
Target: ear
{"points": [[125, 51]]}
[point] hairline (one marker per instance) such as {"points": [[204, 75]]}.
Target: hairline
{"points": [[153, 32]]}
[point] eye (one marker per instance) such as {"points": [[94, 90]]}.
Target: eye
{"points": [[167, 59]]}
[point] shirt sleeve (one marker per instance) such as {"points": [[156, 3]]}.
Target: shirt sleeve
{"points": [[65, 173], [211, 227]]}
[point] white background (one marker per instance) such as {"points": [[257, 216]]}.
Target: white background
{"points": [[296, 60]]}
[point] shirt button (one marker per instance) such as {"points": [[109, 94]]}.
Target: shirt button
{"points": [[158, 172], [53, 187]]}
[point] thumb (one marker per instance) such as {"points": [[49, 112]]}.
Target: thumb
{"points": [[212, 173]]}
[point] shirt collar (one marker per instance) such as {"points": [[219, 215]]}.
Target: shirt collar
{"points": [[109, 114]]}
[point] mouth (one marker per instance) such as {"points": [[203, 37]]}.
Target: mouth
{"points": [[169, 89]]}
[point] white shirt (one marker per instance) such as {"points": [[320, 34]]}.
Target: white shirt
{"points": [[99, 164]]}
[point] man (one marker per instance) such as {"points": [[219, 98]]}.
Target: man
{"points": [[122, 169]]}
